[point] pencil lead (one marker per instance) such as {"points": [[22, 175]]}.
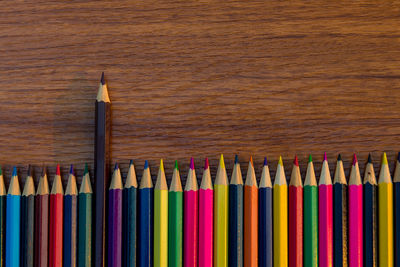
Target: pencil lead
{"points": [[44, 170], [1, 172], [369, 158], [325, 157], [310, 158], [116, 166], [206, 164], [191, 163], [384, 158], [131, 162], [58, 172], [86, 169], [29, 170], [146, 164], [176, 165], [161, 165], [251, 161], [280, 162], [296, 161], [354, 159], [102, 79], [339, 157], [265, 161], [398, 157], [14, 173], [236, 159], [71, 169], [221, 161]]}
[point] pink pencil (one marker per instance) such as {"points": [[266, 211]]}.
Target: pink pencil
{"points": [[206, 210], [191, 216], [325, 217], [355, 217]]}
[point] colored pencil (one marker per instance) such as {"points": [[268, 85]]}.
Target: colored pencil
{"points": [[325, 216], [370, 216], [295, 216], [175, 220], [191, 218], [115, 219], [310, 217], [280, 214], [70, 220], [101, 171], [385, 209], [265, 218], [340, 215], [13, 221], [355, 216], [145, 216], [42, 221], [206, 211], [85, 201], [3, 196], [396, 189], [221, 202], [27, 221], [236, 217], [129, 206], [251, 218], [56, 221], [161, 219]]}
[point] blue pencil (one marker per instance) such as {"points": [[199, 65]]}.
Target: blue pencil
{"points": [[129, 218], [145, 222], [265, 218], [70, 221], [13, 213], [370, 216], [396, 189], [235, 253]]}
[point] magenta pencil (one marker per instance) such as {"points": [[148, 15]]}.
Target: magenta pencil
{"points": [[191, 218], [325, 216], [206, 210], [355, 217]]}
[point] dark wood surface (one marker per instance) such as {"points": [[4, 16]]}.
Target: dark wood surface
{"points": [[190, 78]]}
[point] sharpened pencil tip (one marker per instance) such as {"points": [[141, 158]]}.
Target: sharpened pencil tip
{"points": [[296, 161], [339, 157], [43, 171], [14, 173], [1, 172], [58, 172], [354, 159], [236, 159], [280, 162], [176, 165], [251, 161], [265, 161], [146, 164], [310, 158], [102, 78], [221, 161], [29, 170], [369, 158], [206, 164], [116, 166], [325, 157], [162, 165], [86, 169], [398, 157], [131, 162], [71, 169], [384, 158], [191, 163]]}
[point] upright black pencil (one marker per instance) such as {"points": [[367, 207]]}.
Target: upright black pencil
{"points": [[370, 216], [101, 172], [27, 222], [340, 244]]}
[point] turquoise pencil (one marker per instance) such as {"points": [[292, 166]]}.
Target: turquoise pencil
{"points": [[13, 221]]}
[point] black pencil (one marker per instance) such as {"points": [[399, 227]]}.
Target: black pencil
{"points": [[101, 172], [27, 221]]}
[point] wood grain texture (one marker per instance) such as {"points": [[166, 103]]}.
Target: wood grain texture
{"points": [[198, 79]]}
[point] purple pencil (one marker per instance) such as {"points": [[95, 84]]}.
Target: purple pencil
{"points": [[115, 220]]}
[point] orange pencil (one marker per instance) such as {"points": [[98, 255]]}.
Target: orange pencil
{"points": [[56, 221], [251, 218]]}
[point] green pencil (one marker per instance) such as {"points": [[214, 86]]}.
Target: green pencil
{"points": [[175, 218], [310, 217], [85, 221]]}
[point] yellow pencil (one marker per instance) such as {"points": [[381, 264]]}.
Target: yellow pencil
{"points": [[385, 207], [161, 219], [221, 216], [280, 218]]}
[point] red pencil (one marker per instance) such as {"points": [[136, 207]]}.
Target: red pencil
{"points": [[56, 221], [295, 217]]}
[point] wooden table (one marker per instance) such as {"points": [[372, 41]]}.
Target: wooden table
{"points": [[191, 78]]}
